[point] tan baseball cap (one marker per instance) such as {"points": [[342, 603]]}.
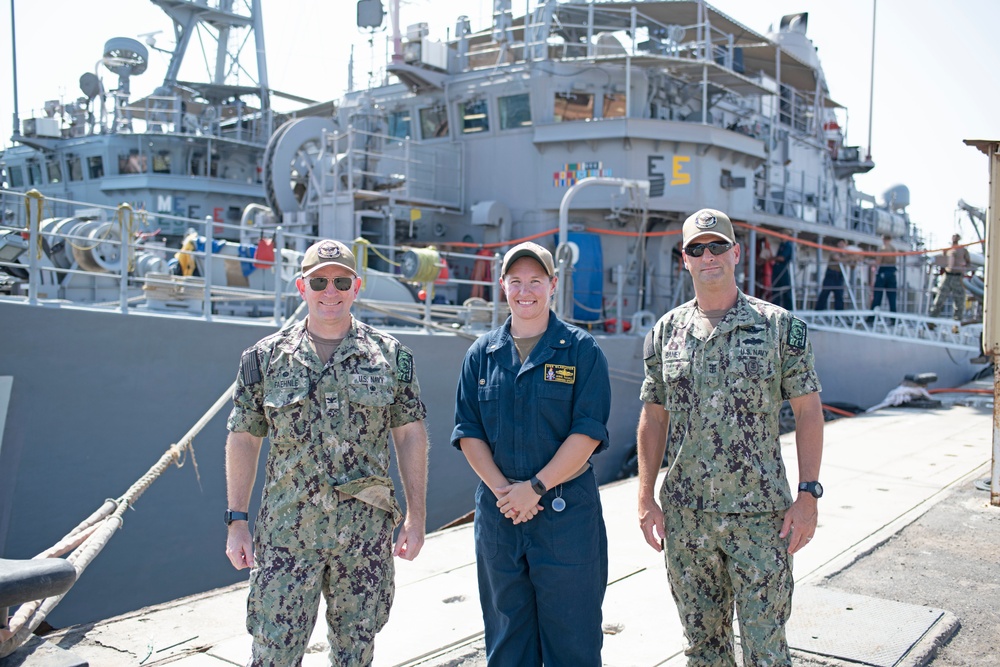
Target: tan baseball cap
{"points": [[708, 221], [326, 253], [532, 250]]}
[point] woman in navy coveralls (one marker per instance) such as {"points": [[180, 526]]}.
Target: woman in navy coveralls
{"points": [[532, 407]]}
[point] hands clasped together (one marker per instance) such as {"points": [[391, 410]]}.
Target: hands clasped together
{"points": [[518, 502]]}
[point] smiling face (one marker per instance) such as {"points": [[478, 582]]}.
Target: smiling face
{"points": [[712, 272], [529, 290], [329, 308]]}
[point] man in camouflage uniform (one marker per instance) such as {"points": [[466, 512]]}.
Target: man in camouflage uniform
{"points": [[717, 370], [950, 287], [327, 392]]}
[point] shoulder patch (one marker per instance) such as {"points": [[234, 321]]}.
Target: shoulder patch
{"points": [[250, 367], [648, 349], [797, 334], [404, 365]]}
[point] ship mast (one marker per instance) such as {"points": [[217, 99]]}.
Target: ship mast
{"points": [[189, 16]]}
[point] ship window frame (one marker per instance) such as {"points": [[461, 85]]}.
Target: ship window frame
{"points": [[74, 168], [615, 102], [132, 163], [566, 98], [162, 161], [53, 170], [475, 115], [509, 118], [433, 128], [15, 175], [95, 166], [34, 173], [395, 123]]}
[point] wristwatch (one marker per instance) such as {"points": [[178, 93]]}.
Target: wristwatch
{"points": [[537, 486], [815, 488], [236, 516]]}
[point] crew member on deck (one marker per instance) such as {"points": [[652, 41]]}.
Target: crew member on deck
{"points": [[957, 263], [885, 279]]}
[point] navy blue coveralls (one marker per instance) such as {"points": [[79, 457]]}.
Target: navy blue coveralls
{"points": [[541, 583]]}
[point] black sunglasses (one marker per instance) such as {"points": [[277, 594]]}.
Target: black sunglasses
{"points": [[342, 283], [698, 249]]}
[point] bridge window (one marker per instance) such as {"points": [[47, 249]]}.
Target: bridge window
{"points": [[161, 162], [131, 162], [574, 106], [95, 166], [74, 168], [475, 117], [433, 122], [54, 170], [15, 176], [34, 173], [399, 124], [515, 111], [614, 106]]}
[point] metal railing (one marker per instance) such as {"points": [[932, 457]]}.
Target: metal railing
{"points": [[130, 272]]}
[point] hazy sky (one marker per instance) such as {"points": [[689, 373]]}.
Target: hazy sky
{"points": [[935, 72]]}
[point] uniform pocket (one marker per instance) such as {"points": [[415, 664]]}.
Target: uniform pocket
{"points": [[489, 411], [751, 387], [486, 524], [576, 531], [679, 381], [287, 411], [555, 410]]}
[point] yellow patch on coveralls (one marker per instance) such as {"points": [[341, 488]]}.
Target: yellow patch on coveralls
{"points": [[557, 373]]}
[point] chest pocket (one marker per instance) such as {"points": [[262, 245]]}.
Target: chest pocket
{"points": [[287, 411], [678, 380], [369, 402], [753, 381], [489, 411], [555, 410]]}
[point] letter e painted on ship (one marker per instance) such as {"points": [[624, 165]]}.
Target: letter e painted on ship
{"points": [[680, 177], [657, 177]]}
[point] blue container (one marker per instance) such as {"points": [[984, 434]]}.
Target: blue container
{"points": [[588, 278]]}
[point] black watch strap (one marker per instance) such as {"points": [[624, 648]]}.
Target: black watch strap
{"points": [[236, 516], [814, 488], [537, 486]]}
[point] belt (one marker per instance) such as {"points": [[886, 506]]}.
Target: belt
{"points": [[953, 273], [586, 466]]}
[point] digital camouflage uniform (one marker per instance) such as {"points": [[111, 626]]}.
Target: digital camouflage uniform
{"points": [[328, 508], [950, 287], [725, 492]]}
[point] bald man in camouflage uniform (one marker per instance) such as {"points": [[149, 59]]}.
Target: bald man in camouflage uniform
{"points": [[950, 288], [327, 392], [717, 370]]}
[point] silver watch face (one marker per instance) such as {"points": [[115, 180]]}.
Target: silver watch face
{"points": [[815, 488]]}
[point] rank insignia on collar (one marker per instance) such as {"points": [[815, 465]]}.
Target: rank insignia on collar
{"points": [[797, 334], [557, 373]]}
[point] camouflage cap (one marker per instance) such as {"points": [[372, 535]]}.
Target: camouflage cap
{"points": [[532, 250], [709, 221], [327, 253]]}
